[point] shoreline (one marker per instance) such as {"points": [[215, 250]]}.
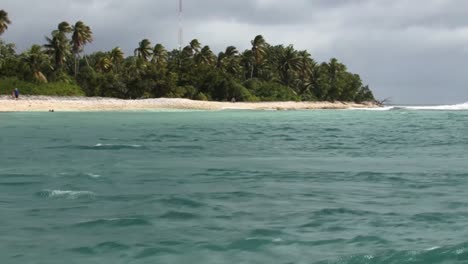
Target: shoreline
{"points": [[92, 104]]}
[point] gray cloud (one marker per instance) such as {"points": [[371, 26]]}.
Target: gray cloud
{"points": [[412, 51]]}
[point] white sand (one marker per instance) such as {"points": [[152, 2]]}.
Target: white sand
{"points": [[46, 103]]}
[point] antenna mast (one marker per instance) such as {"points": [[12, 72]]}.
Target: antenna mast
{"points": [[181, 30]]}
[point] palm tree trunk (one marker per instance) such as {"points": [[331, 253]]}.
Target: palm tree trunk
{"points": [[86, 59], [76, 64]]}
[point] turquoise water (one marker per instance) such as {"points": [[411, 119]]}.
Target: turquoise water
{"points": [[234, 187]]}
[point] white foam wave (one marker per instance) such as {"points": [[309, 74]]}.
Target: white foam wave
{"points": [[432, 248], [237, 108], [117, 145], [385, 108], [455, 107], [93, 175], [67, 194]]}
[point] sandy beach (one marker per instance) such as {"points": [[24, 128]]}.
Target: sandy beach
{"points": [[46, 103]]}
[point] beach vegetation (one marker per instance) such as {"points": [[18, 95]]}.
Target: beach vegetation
{"points": [[262, 72], [58, 88]]}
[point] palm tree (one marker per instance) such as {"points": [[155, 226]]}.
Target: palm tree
{"points": [[229, 60], [259, 46], [36, 60], [220, 60], [247, 62], [335, 70], [82, 35], [64, 28], [195, 46], [104, 64], [231, 51], [4, 21], [205, 56], [306, 71], [144, 49], [59, 46], [116, 56], [289, 61], [159, 56]]}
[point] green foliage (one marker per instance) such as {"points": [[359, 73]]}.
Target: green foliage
{"points": [[263, 72], [364, 95], [271, 91], [201, 97], [7, 84]]}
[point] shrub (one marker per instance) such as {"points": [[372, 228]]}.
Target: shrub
{"points": [[29, 88]]}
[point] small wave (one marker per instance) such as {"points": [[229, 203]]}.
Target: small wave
{"points": [[187, 147], [77, 175], [179, 215], [83, 250], [115, 222], [266, 233], [112, 246], [19, 183], [250, 244], [340, 211], [116, 146], [66, 194], [100, 146], [433, 218], [450, 254], [182, 202], [151, 252], [93, 175], [368, 239]]}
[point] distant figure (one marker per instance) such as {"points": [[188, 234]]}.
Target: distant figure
{"points": [[16, 93], [51, 110], [233, 100]]}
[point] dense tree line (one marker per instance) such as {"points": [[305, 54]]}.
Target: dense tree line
{"points": [[263, 72]]}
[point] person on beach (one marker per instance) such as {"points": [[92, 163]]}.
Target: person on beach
{"points": [[15, 93]]}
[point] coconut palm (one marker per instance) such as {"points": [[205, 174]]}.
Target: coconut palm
{"points": [[4, 21], [159, 55], [195, 46], [116, 56], [205, 56], [305, 72], [335, 71], [229, 60], [59, 45], [289, 61], [64, 28], [104, 64], [259, 46], [36, 60], [144, 49], [247, 63], [231, 51], [82, 35], [220, 60]]}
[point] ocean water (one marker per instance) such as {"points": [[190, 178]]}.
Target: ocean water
{"points": [[326, 186]]}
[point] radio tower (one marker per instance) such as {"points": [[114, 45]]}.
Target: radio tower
{"points": [[181, 29]]}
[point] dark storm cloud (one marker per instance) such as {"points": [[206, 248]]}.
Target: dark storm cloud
{"points": [[412, 51]]}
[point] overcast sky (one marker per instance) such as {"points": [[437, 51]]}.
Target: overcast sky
{"points": [[412, 51]]}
